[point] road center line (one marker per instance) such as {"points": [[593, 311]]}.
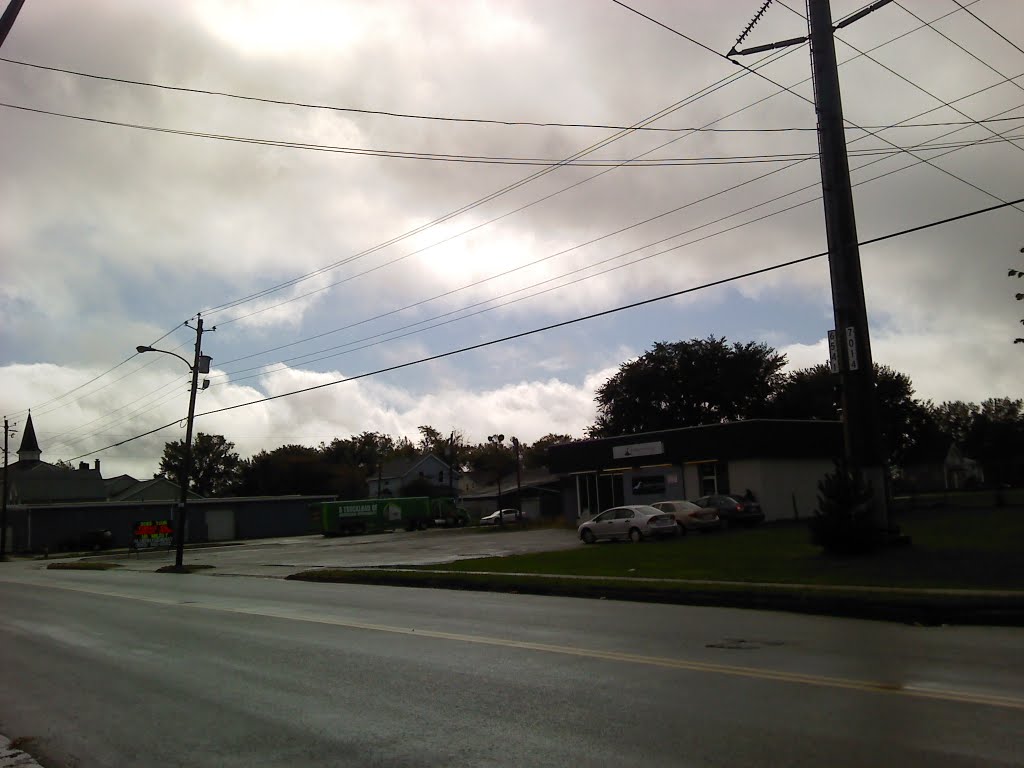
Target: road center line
{"points": [[917, 692]]}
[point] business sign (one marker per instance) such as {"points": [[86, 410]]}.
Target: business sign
{"points": [[637, 449], [152, 534]]}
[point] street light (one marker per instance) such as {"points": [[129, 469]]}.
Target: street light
{"points": [[200, 364]]}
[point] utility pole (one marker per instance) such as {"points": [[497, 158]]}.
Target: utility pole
{"points": [[7, 20], [850, 344], [186, 470], [200, 364], [3, 509], [861, 433]]}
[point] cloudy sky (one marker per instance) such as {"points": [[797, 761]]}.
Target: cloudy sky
{"points": [[317, 264]]}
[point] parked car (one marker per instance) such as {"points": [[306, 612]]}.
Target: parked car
{"points": [[635, 522], [690, 517], [733, 511], [502, 517]]}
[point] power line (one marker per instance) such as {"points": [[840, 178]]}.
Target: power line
{"points": [[563, 323], [987, 25], [90, 381], [597, 239], [558, 277], [761, 62], [811, 101], [706, 160]]}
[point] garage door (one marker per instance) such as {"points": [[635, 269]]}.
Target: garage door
{"points": [[531, 509], [220, 524]]}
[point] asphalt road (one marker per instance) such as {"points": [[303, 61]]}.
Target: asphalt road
{"points": [[280, 557], [124, 668]]}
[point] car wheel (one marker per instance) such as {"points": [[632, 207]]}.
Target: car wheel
{"points": [[682, 529], [587, 536], [635, 536]]}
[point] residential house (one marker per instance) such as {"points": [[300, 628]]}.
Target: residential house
{"points": [[394, 475]]}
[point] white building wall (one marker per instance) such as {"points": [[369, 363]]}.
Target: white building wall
{"points": [[786, 488], [691, 482]]}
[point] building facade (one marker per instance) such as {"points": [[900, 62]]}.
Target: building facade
{"points": [[779, 461]]}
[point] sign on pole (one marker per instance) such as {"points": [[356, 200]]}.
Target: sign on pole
{"points": [[851, 349], [833, 352]]}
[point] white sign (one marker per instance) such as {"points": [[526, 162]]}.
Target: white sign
{"points": [[851, 349], [637, 449], [833, 352]]}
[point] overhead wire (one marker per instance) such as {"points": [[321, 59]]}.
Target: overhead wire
{"points": [[661, 162], [560, 324], [413, 116], [264, 369], [804, 98], [771, 58], [987, 25]]}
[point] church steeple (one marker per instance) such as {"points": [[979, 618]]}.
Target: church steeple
{"points": [[29, 450]]}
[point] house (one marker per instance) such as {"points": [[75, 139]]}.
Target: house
{"points": [[779, 461], [394, 475], [535, 492], [939, 467], [127, 488]]}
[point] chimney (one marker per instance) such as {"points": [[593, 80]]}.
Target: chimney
{"points": [[97, 465], [83, 465]]}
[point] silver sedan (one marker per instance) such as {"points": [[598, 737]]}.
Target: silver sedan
{"points": [[690, 516], [635, 522]]}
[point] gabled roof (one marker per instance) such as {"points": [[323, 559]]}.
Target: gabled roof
{"points": [[157, 489], [118, 485], [404, 467], [40, 482]]}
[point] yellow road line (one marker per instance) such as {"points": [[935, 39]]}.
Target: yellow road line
{"points": [[917, 692]]}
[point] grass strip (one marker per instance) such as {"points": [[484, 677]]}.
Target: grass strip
{"points": [[87, 566], [905, 606]]}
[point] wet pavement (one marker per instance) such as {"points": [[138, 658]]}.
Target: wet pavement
{"points": [[278, 558]]}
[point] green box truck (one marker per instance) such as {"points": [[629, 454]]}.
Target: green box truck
{"points": [[367, 515]]}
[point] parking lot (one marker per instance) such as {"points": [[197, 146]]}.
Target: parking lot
{"points": [[281, 557]]}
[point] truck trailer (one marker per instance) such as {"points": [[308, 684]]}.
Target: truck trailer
{"points": [[368, 515]]}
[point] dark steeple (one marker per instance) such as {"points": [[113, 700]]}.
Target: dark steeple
{"points": [[29, 450]]}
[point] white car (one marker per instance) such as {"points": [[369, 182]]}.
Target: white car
{"points": [[634, 521], [690, 516], [502, 517]]}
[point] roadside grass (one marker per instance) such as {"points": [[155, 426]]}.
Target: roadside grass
{"points": [[82, 566], [952, 548]]}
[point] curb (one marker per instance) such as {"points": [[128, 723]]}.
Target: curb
{"points": [[931, 607]]}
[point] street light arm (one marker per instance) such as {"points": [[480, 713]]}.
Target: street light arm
{"points": [[140, 350]]}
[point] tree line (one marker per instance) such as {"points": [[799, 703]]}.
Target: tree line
{"points": [[341, 467], [673, 384], [709, 381]]}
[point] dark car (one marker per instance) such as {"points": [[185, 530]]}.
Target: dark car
{"points": [[733, 511]]}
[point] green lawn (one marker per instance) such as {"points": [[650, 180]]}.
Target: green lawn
{"points": [[955, 548]]}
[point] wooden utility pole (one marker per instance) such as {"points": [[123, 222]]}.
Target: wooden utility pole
{"points": [[3, 509], [861, 433]]}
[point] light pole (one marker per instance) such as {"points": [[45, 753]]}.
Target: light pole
{"points": [[519, 477], [200, 364]]}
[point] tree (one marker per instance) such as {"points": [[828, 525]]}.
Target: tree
{"points": [[812, 393], [996, 439], [298, 469], [686, 383], [1018, 274], [216, 467]]}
